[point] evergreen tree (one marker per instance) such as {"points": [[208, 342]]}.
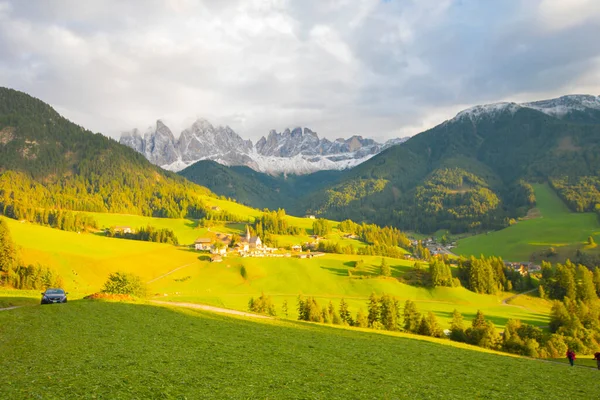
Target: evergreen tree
{"points": [[429, 326], [597, 280], [345, 315], [457, 329], [586, 290], [373, 309], [385, 270], [284, 308], [361, 319], [412, 317], [8, 252], [390, 313]]}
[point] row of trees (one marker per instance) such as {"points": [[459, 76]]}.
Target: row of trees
{"points": [[275, 223], [14, 273], [576, 282], [376, 235], [147, 234], [59, 219]]}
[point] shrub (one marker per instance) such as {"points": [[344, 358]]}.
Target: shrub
{"points": [[125, 283]]}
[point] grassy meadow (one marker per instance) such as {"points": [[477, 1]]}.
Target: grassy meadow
{"points": [[84, 261], [107, 350], [553, 225]]}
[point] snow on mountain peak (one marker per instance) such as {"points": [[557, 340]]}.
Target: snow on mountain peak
{"points": [[561, 106], [296, 151], [490, 110]]}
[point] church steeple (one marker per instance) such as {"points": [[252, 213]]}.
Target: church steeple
{"points": [[247, 233]]}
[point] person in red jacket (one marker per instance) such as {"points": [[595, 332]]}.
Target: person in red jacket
{"points": [[597, 358], [571, 356]]}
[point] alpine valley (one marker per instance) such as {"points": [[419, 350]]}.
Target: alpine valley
{"points": [[297, 151], [470, 173]]}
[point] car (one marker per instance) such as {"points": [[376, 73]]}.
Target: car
{"points": [[54, 295]]}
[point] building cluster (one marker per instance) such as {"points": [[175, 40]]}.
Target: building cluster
{"points": [[220, 245], [523, 268]]}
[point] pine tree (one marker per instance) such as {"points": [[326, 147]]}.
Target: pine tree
{"points": [[8, 252], [597, 280], [345, 315], [373, 309], [361, 319], [284, 308], [457, 329], [412, 317], [385, 268]]}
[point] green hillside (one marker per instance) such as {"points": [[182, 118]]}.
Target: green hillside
{"points": [[550, 224], [464, 175], [87, 349], [84, 261], [257, 189], [48, 162]]}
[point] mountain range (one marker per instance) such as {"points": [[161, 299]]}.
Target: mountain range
{"points": [[470, 173], [297, 151]]}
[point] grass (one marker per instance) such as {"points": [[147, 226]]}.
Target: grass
{"points": [[556, 227], [84, 261], [87, 349]]}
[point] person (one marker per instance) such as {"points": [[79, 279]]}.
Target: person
{"points": [[597, 358], [571, 357]]}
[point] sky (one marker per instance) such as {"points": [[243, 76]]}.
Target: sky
{"points": [[379, 69]]}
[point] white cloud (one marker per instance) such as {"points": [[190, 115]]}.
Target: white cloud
{"points": [[342, 67], [563, 14]]}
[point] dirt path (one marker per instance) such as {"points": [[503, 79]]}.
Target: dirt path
{"points": [[170, 272], [10, 308], [210, 308], [506, 300]]}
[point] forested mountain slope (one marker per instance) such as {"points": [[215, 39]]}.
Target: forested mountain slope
{"points": [[258, 189], [470, 172], [47, 161]]}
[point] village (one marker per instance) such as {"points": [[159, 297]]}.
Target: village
{"points": [[220, 245]]}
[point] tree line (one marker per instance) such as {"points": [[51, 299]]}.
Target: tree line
{"points": [[147, 234], [14, 273]]}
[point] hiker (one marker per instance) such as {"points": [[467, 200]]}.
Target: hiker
{"points": [[571, 356], [597, 358]]}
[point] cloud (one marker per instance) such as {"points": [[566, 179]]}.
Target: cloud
{"points": [[343, 67]]}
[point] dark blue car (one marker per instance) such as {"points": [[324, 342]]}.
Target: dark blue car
{"points": [[54, 296]]}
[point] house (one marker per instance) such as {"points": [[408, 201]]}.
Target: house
{"points": [[296, 247], [216, 258], [302, 255], [242, 247], [214, 249], [310, 216], [123, 229], [203, 244], [215, 208], [351, 236]]}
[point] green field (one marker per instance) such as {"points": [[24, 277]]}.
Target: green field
{"points": [[106, 350], [555, 226], [178, 274]]}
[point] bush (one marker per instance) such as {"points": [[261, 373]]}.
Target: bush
{"points": [[125, 283]]}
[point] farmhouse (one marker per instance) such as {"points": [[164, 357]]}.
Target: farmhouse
{"points": [[203, 244], [216, 258], [215, 208], [296, 247], [310, 216], [123, 229]]}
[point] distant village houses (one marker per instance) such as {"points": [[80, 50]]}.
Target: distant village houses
{"points": [[123, 229]]}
